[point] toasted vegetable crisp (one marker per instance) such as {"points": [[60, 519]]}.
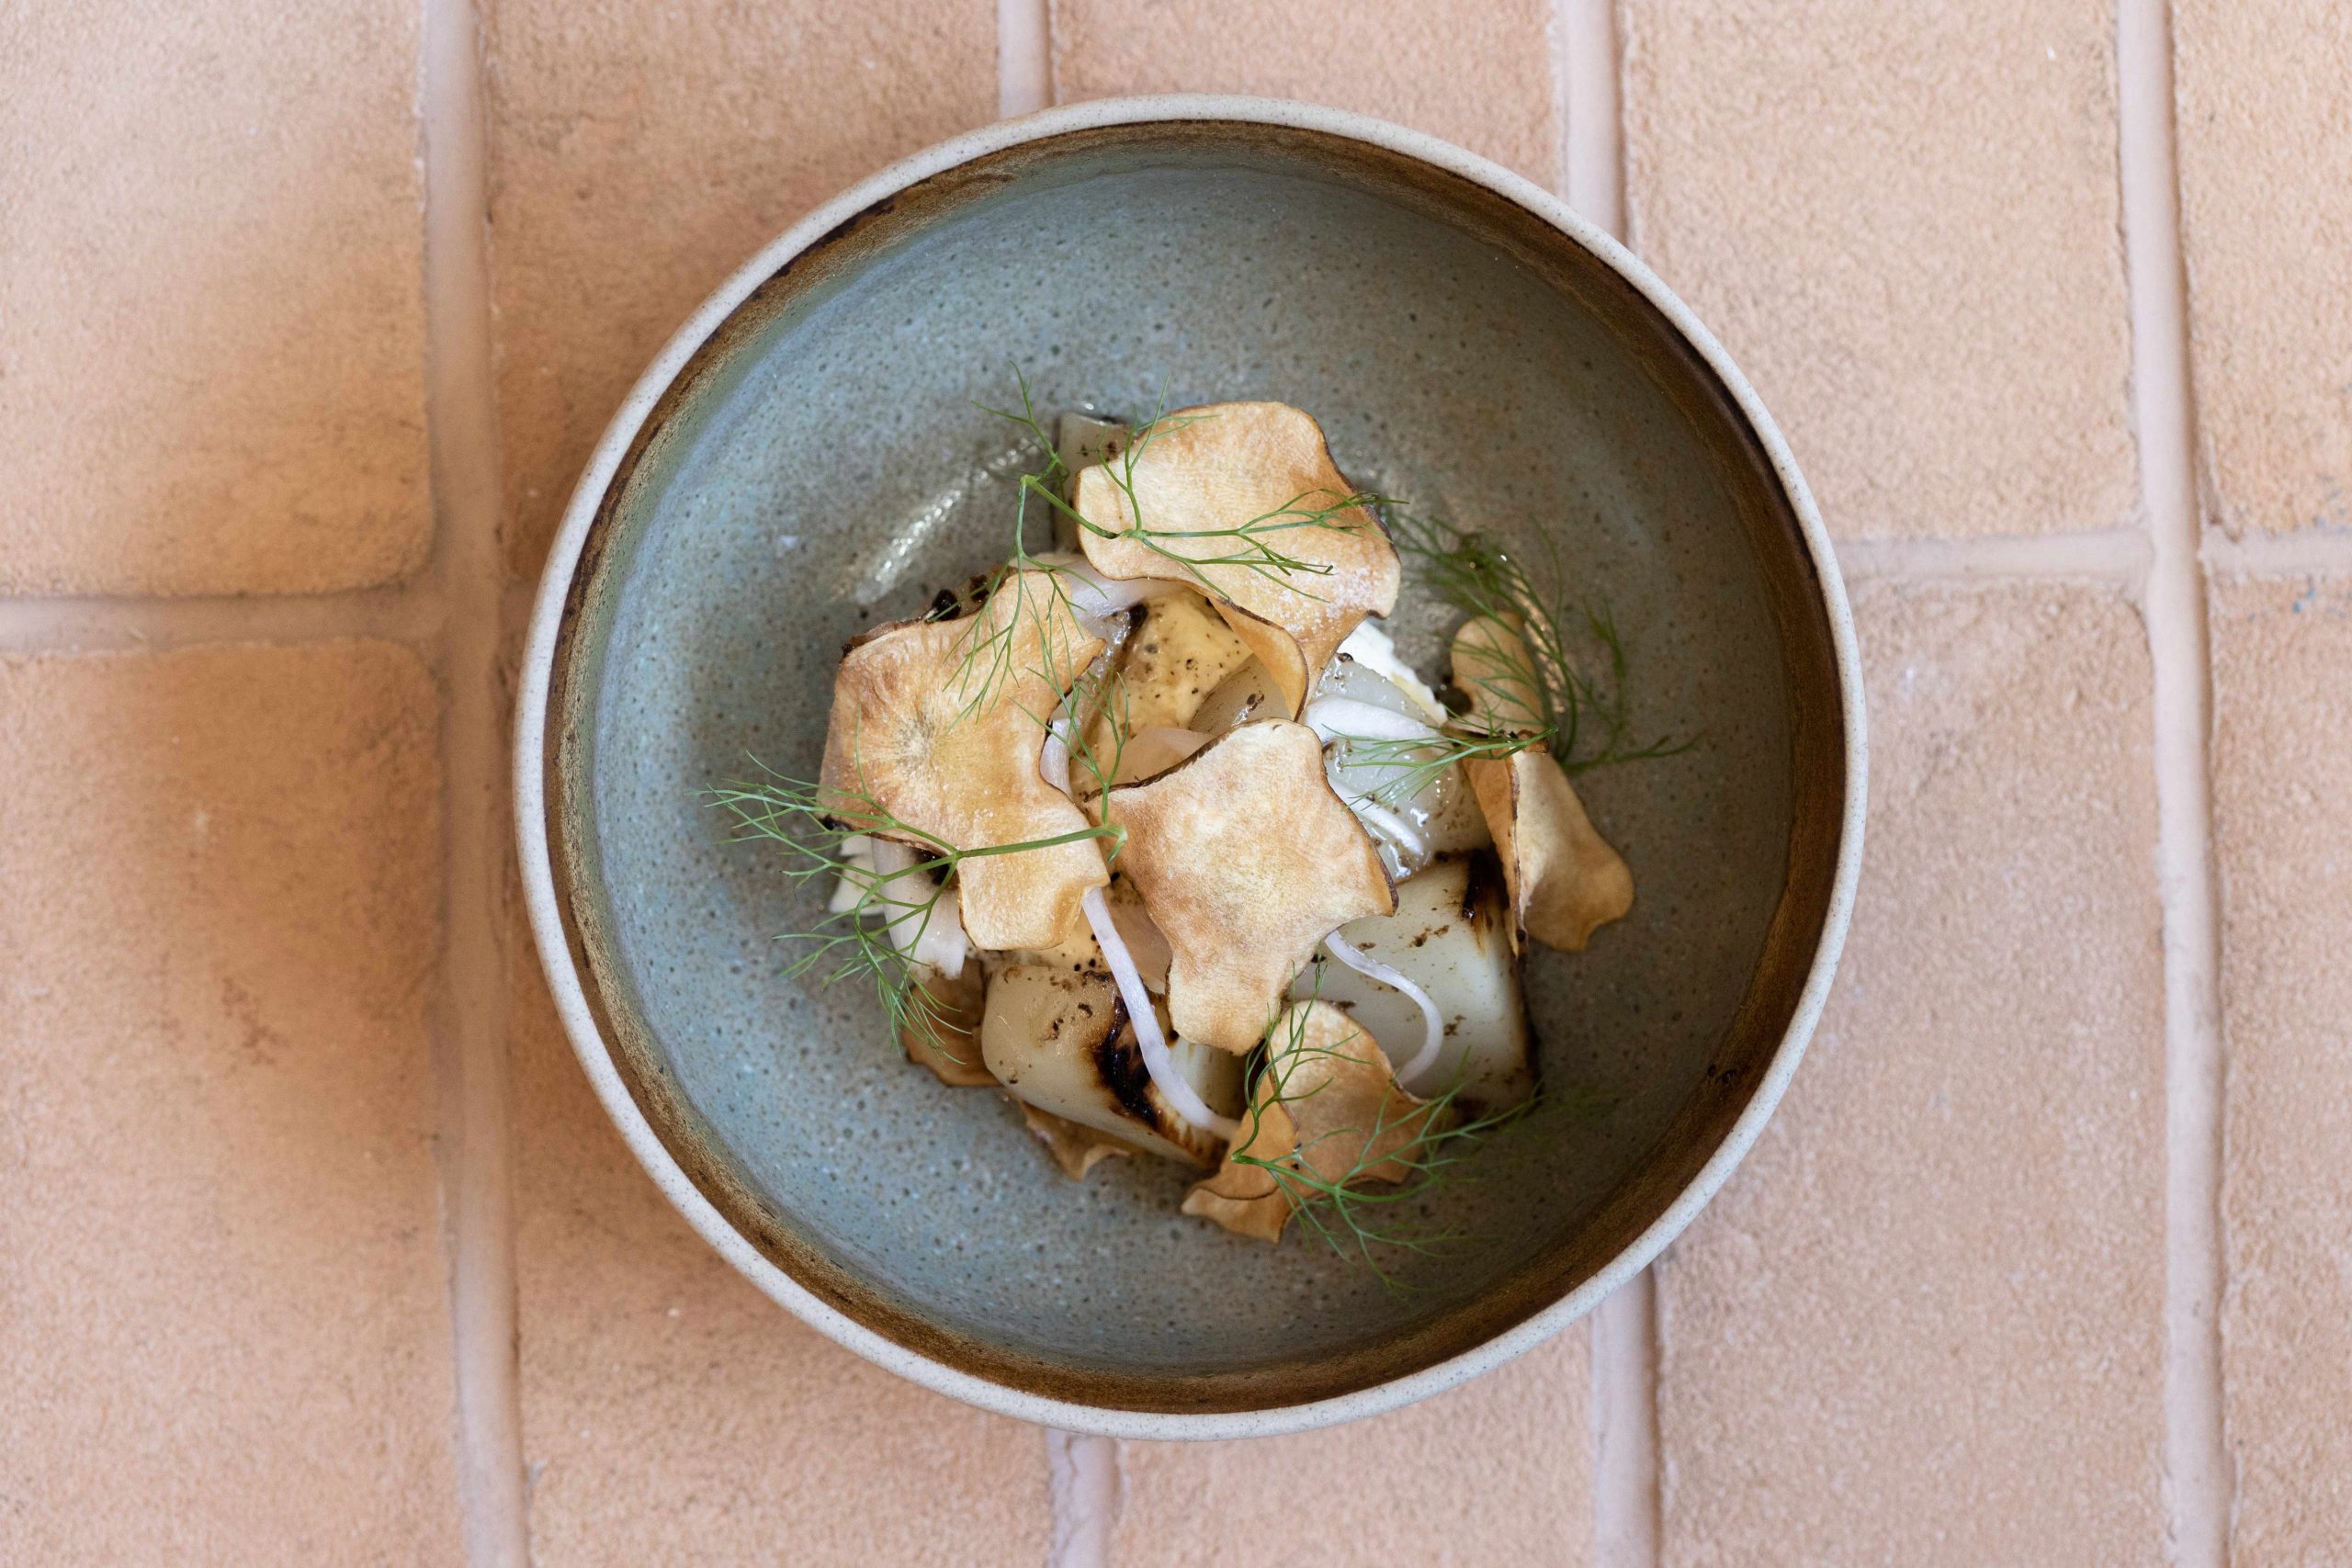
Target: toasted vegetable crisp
{"points": [[1243, 500], [1164, 837], [1246, 860], [1565, 880], [936, 722], [1326, 1113]]}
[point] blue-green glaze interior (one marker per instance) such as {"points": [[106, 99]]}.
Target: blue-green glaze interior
{"points": [[825, 469]]}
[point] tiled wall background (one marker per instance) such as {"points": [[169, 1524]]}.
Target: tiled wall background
{"points": [[314, 1247]]}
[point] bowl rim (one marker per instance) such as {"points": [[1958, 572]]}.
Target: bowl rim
{"points": [[542, 642]]}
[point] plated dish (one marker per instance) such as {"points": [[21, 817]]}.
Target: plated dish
{"points": [[814, 458]]}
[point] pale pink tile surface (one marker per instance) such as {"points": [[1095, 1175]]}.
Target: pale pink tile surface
{"points": [[639, 153], [1497, 1472], [222, 1335], [2266, 192], [1475, 72], [2282, 783], [1902, 223], [212, 298], [1923, 1325], [671, 1412]]}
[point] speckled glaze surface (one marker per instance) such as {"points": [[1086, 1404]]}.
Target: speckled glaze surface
{"points": [[808, 459]]}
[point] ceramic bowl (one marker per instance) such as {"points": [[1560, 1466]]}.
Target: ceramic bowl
{"points": [[809, 457]]}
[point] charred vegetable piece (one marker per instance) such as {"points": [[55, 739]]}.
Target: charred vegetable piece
{"points": [[1449, 936], [1243, 500], [936, 722], [1062, 1042], [1324, 1114], [1245, 861], [1176, 656]]}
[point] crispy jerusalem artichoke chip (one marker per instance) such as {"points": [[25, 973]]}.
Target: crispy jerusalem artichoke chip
{"points": [[1076, 1147], [1324, 1112], [1494, 667], [940, 724], [1280, 653], [941, 1029], [1564, 879], [1245, 1197], [1245, 861], [1243, 499]]}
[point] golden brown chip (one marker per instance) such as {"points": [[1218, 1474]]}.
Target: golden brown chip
{"points": [[1224, 486], [1494, 667], [941, 1029], [1279, 651], [941, 723], [1077, 1148], [1244, 1197], [1245, 861], [1326, 1111], [1563, 877]]}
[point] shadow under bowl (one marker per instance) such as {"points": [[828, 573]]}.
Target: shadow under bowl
{"points": [[809, 458]]}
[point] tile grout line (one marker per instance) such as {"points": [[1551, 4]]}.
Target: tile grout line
{"points": [[1584, 78], [1082, 1472], [1082, 1485], [409, 613], [2120, 555], [2310, 552], [1586, 62], [1024, 57], [2196, 1477], [469, 573]]}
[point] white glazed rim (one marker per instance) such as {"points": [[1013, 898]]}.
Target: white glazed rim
{"points": [[563, 979]]}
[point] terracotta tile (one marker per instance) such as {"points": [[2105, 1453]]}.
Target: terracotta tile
{"points": [[1903, 224], [2282, 753], [1497, 1471], [2266, 196], [222, 1324], [669, 1407], [1924, 1324], [1475, 72], [640, 153], [211, 309]]}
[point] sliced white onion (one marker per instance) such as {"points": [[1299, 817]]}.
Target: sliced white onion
{"points": [[1053, 757], [1363, 963], [1345, 718], [849, 887], [1370, 647], [1180, 1095], [1390, 824], [934, 935]]}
